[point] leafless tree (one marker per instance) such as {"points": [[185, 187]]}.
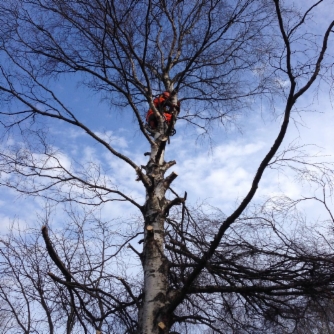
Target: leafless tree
{"points": [[32, 303], [218, 273]]}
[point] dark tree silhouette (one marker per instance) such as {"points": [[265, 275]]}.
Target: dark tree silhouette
{"points": [[206, 273]]}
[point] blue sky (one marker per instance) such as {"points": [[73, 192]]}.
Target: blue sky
{"points": [[219, 171], [216, 170]]}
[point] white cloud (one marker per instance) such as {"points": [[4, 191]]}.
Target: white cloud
{"points": [[112, 139], [222, 174]]}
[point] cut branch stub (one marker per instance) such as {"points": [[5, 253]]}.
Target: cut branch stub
{"points": [[169, 179], [150, 229], [161, 325]]}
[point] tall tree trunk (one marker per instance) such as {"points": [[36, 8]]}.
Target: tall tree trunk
{"points": [[152, 318]]}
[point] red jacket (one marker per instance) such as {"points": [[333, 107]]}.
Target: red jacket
{"points": [[152, 121]]}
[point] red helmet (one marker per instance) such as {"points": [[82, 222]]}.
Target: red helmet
{"points": [[166, 94]]}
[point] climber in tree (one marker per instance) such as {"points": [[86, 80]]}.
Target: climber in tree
{"points": [[165, 107]]}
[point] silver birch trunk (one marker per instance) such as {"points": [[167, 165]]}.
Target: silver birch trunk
{"points": [[152, 314]]}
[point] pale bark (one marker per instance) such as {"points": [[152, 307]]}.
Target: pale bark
{"points": [[152, 318], [154, 262]]}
